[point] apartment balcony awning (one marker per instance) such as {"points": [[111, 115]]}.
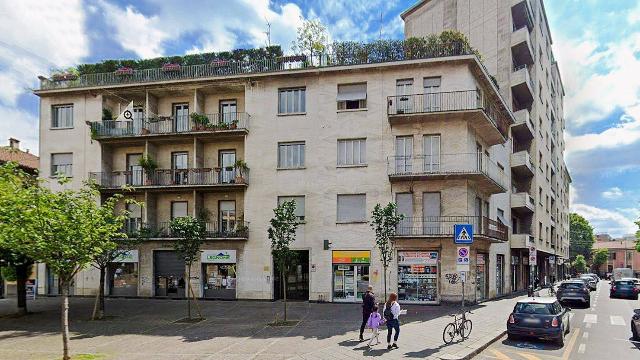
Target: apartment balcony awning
{"points": [[521, 164], [521, 48], [227, 124], [471, 166], [491, 124], [442, 226], [522, 203], [523, 127], [521, 14], [522, 241], [522, 87], [222, 178], [228, 230]]}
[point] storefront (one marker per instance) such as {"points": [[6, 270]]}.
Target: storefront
{"points": [[515, 272], [500, 266], [122, 275], [169, 272], [482, 273], [350, 274], [418, 277], [219, 274]]}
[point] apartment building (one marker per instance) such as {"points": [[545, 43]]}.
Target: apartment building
{"points": [[434, 133], [514, 40]]}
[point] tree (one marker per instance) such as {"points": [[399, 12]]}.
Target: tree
{"points": [[190, 233], [19, 265], [580, 236], [64, 229], [312, 38], [282, 232], [638, 236], [579, 264], [384, 221], [599, 257]]}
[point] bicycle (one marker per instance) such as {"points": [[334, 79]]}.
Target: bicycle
{"points": [[552, 291], [460, 326]]}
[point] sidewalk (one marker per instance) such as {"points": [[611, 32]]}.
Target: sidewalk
{"points": [[146, 329]]}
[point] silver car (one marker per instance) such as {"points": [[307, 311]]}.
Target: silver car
{"points": [[589, 281]]}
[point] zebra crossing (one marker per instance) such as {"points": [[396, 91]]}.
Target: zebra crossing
{"points": [[615, 320]]}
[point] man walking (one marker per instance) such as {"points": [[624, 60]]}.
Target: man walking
{"points": [[368, 301]]}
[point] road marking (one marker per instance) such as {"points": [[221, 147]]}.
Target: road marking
{"points": [[585, 335], [591, 318], [588, 326], [500, 355], [617, 320], [570, 345], [582, 348], [528, 356]]}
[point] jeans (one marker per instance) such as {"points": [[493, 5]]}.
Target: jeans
{"points": [[393, 324]]}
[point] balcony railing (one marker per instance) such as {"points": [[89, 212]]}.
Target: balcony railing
{"points": [[169, 125], [439, 226], [171, 177], [343, 54], [446, 164], [225, 230], [465, 100]]}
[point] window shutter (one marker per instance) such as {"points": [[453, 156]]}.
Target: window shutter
{"points": [[352, 92], [351, 208]]}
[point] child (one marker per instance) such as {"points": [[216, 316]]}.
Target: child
{"points": [[374, 322]]}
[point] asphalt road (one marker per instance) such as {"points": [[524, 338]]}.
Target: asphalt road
{"points": [[600, 332]]}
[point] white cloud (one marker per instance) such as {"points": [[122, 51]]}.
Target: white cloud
{"points": [[614, 222], [21, 125], [613, 193]]}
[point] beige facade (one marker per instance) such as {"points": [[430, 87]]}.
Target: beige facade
{"points": [[515, 42]]}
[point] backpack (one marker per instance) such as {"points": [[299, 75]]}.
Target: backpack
{"points": [[388, 315]]}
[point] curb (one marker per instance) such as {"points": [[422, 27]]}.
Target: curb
{"points": [[476, 351]]}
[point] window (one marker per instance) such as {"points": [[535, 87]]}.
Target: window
{"points": [[352, 208], [62, 116], [292, 101], [179, 209], [431, 152], [291, 155], [298, 200], [62, 164], [540, 231], [501, 218], [432, 96], [352, 152], [540, 196], [352, 96]]}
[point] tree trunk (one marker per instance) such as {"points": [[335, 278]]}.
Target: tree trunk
{"points": [[284, 282], [65, 321], [103, 274], [188, 284], [384, 276], [21, 282]]}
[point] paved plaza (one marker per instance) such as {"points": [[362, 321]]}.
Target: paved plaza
{"points": [[147, 329]]}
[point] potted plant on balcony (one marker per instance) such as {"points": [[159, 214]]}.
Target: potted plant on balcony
{"points": [[149, 165], [234, 124], [241, 169], [65, 75], [170, 67], [200, 121]]}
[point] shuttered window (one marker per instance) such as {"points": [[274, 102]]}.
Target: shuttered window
{"points": [[352, 152], [62, 164], [352, 208], [352, 96]]}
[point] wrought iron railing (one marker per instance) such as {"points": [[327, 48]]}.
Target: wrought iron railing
{"points": [[464, 100], [224, 230], [169, 125], [437, 226], [343, 55], [446, 164], [171, 177]]}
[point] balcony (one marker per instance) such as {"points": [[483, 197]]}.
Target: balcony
{"points": [[521, 164], [217, 124], [442, 226], [471, 166], [521, 14], [522, 86], [521, 50], [522, 203], [523, 128], [488, 122], [233, 229], [172, 178], [522, 241]]}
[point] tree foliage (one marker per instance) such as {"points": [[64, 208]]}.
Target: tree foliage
{"points": [[579, 264], [638, 236], [580, 236], [599, 257], [312, 38], [384, 221]]}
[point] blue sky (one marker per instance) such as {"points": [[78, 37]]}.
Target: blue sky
{"points": [[597, 43]]}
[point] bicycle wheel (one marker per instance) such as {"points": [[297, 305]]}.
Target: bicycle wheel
{"points": [[449, 333], [465, 328]]}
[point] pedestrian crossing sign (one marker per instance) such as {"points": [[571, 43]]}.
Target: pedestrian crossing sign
{"points": [[463, 233]]}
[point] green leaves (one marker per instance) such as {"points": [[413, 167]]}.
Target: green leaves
{"points": [[599, 257], [579, 264], [282, 231], [580, 236], [384, 221], [190, 233]]}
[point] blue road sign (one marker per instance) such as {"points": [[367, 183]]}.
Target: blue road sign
{"points": [[463, 233]]}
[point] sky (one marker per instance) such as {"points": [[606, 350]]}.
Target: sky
{"points": [[596, 42]]}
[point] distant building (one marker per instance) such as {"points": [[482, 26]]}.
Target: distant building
{"points": [[622, 254], [603, 237]]}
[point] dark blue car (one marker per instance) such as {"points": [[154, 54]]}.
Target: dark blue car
{"points": [[624, 289], [542, 318]]}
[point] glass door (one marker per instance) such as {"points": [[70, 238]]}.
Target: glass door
{"points": [[227, 160], [134, 170], [432, 95], [431, 151], [404, 100], [181, 117], [228, 111], [179, 166], [227, 216], [481, 277], [404, 154]]}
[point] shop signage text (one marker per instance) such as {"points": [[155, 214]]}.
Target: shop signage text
{"points": [[218, 256], [351, 257], [417, 257]]}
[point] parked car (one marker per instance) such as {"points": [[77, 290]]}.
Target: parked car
{"points": [[594, 276], [636, 281], [635, 324], [573, 290], [542, 318], [590, 281], [624, 289]]}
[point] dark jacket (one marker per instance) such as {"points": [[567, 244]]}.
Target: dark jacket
{"points": [[368, 301]]}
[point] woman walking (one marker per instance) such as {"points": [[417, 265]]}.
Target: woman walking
{"points": [[391, 313], [368, 302]]}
